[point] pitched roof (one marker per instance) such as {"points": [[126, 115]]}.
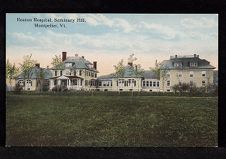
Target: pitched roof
{"points": [[130, 73], [185, 60], [77, 63], [35, 72]]}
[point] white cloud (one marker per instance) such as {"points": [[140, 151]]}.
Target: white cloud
{"points": [[202, 22]]}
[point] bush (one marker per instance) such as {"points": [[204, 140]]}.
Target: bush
{"points": [[18, 88]]}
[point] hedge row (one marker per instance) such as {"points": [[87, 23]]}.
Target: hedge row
{"points": [[100, 93]]}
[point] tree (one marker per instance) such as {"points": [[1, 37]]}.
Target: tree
{"points": [[11, 71], [27, 65], [56, 60], [156, 69], [40, 74], [161, 72], [119, 71]]}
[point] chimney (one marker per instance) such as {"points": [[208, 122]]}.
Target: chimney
{"points": [[136, 67], [64, 56], [83, 57], [37, 65], [194, 55], [95, 65], [130, 63]]}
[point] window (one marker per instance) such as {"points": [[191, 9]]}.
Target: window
{"points": [[55, 73], [154, 84], [157, 84], [21, 82], [150, 90], [180, 74], [74, 82], [99, 83], [178, 64], [80, 72], [134, 82], [168, 90], [74, 73], [150, 83], [60, 73], [193, 64], [203, 73], [168, 83], [95, 75], [147, 83], [143, 83], [191, 73], [29, 82], [203, 83]]}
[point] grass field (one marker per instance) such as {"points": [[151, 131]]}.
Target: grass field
{"points": [[111, 121]]}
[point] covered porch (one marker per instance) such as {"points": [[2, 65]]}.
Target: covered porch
{"points": [[70, 82]]}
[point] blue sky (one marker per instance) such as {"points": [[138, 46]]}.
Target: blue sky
{"points": [[107, 38]]}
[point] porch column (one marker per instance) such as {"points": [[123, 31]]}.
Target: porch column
{"points": [[59, 82]]}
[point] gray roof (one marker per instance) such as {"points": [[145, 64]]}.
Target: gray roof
{"points": [[130, 73], [148, 74], [77, 63], [202, 63], [34, 73]]}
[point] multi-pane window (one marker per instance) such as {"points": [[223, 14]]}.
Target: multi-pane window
{"points": [[21, 82], [154, 84], [147, 83], [203, 73], [193, 64], [157, 84], [150, 83], [29, 82], [203, 83], [191, 73], [143, 83]]}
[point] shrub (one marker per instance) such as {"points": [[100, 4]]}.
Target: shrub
{"points": [[18, 88]]}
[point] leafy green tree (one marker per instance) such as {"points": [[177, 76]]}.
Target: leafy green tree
{"points": [[11, 71], [119, 69], [56, 60], [27, 65]]}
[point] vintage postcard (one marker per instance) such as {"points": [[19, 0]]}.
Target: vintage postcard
{"points": [[111, 80]]}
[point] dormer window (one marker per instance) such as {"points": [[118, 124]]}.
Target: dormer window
{"points": [[178, 64], [68, 64], [193, 64]]}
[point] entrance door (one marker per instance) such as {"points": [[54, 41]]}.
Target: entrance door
{"points": [[64, 83]]}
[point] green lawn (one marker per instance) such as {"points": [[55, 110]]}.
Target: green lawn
{"points": [[110, 120]]}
